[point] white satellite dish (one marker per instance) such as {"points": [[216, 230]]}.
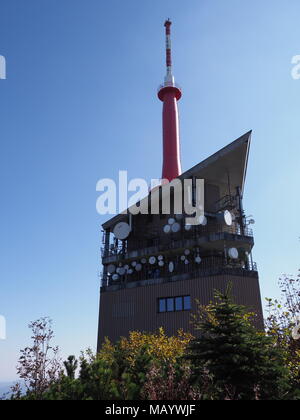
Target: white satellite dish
{"points": [[138, 267], [133, 263], [121, 230], [122, 271], [171, 267], [183, 257], [176, 227], [188, 227], [152, 260], [167, 228], [130, 271], [171, 221], [227, 218], [126, 267], [143, 260], [186, 262], [111, 268], [115, 277], [187, 252], [203, 220], [161, 263], [198, 259], [233, 253], [160, 257]]}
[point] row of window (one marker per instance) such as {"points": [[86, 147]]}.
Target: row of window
{"points": [[173, 304]]}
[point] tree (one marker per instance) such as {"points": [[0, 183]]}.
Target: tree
{"points": [[282, 324], [245, 364], [71, 365], [39, 365]]}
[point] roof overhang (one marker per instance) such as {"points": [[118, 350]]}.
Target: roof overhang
{"points": [[226, 167]]}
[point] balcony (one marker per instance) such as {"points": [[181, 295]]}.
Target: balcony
{"points": [[155, 275]]}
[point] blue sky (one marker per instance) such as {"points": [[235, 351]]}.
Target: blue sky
{"points": [[79, 103]]}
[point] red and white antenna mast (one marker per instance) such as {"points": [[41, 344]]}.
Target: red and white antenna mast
{"points": [[169, 93]]}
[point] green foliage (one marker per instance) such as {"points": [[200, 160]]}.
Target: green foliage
{"points": [[244, 363]]}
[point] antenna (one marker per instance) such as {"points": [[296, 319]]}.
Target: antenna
{"points": [[169, 93]]}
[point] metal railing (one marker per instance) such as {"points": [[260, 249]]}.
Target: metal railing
{"points": [[208, 266]]}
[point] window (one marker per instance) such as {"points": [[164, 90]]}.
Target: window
{"points": [[162, 305], [178, 304], [170, 305], [187, 303], [174, 304]]}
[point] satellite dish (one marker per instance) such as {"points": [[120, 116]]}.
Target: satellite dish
{"points": [[203, 220], [121, 230], [115, 277], [188, 227], [186, 262], [233, 253], [152, 260], [198, 259], [133, 263], [161, 263], [171, 267], [171, 221], [143, 260], [160, 257], [187, 252], [126, 267], [111, 268], [167, 228], [130, 271], [176, 227], [183, 257], [138, 267], [227, 218], [122, 271]]}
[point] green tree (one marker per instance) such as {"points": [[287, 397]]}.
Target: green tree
{"points": [[244, 363]]}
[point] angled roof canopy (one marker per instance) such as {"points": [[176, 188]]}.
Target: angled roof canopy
{"points": [[228, 165]]}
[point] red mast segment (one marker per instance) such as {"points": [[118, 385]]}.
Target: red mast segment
{"points": [[169, 93]]}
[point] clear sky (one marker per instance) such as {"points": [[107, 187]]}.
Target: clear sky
{"points": [[79, 103]]}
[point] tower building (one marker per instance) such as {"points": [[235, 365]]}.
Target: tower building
{"points": [[156, 266]]}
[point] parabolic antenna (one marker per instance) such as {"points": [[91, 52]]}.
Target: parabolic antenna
{"points": [[188, 227], [122, 271], [187, 252], [171, 221], [227, 218], [233, 253], [160, 257], [133, 263], [111, 268], [152, 260], [183, 257], [115, 277], [121, 230], [161, 263], [171, 267], [130, 271], [203, 220], [138, 267], [198, 259], [143, 260], [176, 227], [167, 228], [186, 262]]}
